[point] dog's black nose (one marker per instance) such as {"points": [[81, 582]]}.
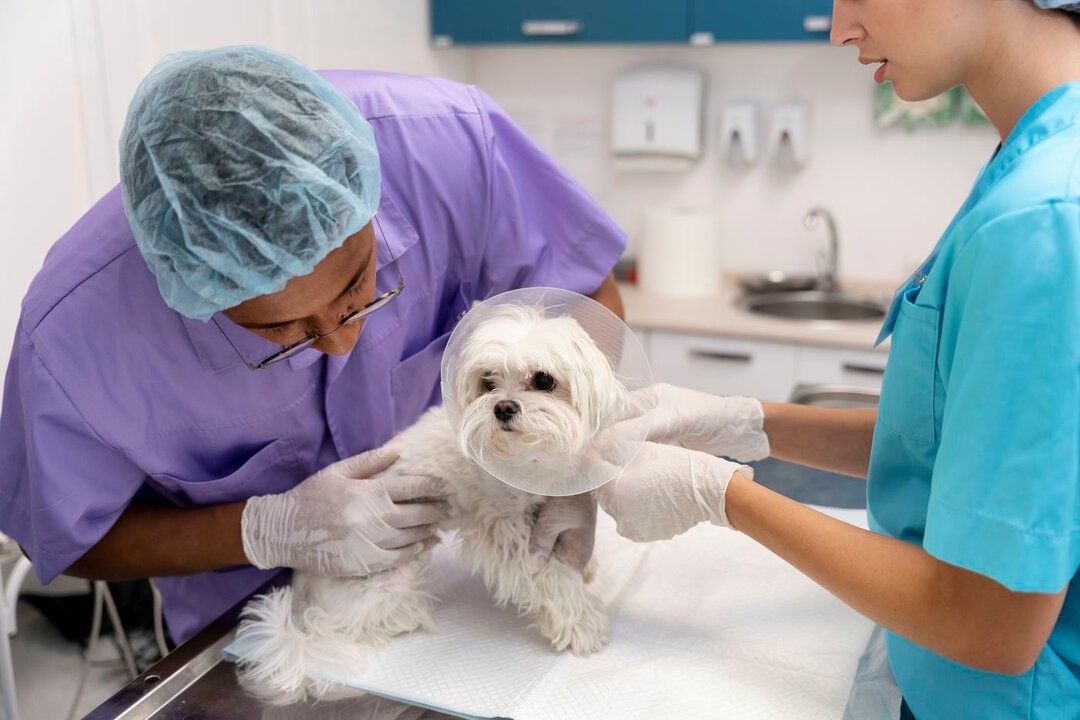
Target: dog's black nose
{"points": [[505, 410]]}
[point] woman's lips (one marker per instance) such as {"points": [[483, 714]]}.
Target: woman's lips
{"points": [[879, 74]]}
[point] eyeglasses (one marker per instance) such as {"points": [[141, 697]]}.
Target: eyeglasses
{"points": [[352, 318]]}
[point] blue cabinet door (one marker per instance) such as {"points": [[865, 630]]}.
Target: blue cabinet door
{"points": [[466, 22], [760, 20]]}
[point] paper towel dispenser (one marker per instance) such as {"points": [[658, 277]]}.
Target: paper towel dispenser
{"points": [[658, 112]]}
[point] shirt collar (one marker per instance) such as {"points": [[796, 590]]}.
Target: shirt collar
{"points": [[1055, 111], [1036, 125], [211, 340]]}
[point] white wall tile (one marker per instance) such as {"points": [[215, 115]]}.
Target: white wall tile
{"points": [[44, 172]]}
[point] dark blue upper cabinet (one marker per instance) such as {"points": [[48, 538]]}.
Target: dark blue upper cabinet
{"points": [[468, 22], [759, 20]]}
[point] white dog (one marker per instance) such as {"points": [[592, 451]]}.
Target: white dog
{"points": [[533, 393]]}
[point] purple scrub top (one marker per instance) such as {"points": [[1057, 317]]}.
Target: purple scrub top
{"points": [[112, 396]]}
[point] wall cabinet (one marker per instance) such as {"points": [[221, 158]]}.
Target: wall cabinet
{"points": [[727, 21], [698, 22], [765, 370], [468, 22]]}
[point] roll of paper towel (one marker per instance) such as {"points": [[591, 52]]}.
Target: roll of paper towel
{"points": [[679, 252]]}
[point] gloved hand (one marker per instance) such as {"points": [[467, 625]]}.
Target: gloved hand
{"points": [[566, 529], [665, 490], [340, 522], [728, 426]]}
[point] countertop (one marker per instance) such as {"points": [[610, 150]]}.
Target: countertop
{"points": [[719, 316]]}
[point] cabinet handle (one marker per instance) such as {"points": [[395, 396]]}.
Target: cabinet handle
{"points": [[723, 356], [551, 28], [863, 369], [817, 23]]}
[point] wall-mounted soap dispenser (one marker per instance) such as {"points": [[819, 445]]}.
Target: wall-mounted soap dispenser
{"points": [[740, 133], [790, 134], [657, 118]]}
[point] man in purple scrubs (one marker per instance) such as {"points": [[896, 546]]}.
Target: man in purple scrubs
{"points": [[206, 357]]}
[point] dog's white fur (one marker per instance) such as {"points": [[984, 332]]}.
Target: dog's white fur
{"points": [[332, 623]]}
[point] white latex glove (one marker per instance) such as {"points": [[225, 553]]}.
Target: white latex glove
{"points": [[666, 490], [339, 522], [566, 528], [728, 426]]}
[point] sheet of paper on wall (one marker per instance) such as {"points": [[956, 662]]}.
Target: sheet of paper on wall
{"points": [[892, 111], [709, 624]]}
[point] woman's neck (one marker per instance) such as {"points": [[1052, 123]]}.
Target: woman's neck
{"points": [[1027, 53]]}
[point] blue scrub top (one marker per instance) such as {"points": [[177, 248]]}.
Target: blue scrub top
{"points": [[976, 453]]}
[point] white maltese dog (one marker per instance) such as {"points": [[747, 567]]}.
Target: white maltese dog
{"points": [[533, 393]]}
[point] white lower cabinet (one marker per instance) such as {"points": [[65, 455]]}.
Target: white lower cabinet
{"points": [[765, 370], [847, 368], [723, 366]]}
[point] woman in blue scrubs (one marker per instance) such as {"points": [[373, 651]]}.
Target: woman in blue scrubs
{"points": [[973, 456]]}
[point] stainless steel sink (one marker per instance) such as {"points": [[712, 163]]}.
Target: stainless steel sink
{"points": [[815, 305]]}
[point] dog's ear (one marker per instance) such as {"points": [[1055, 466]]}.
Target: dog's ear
{"points": [[598, 394]]}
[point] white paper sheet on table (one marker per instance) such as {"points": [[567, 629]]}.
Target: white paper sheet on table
{"points": [[709, 624]]}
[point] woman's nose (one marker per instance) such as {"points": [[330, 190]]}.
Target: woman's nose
{"points": [[845, 26]]}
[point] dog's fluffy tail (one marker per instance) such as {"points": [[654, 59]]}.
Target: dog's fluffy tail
{"points": [[294, 645], [283, 651]]}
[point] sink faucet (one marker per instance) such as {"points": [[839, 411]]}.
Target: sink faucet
{"points": [[828, 267]]}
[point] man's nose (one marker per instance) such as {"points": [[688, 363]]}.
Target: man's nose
{"points": [[341, 341]]}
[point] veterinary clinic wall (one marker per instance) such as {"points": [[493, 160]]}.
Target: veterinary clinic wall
{"points": [[893, 192], [69, 68]]}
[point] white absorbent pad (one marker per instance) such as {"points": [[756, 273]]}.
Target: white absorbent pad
{"points": [[708, 625]]}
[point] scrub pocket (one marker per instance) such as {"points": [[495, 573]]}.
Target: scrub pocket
{"points": [[908, 388], [414, 383], [271, 469]]}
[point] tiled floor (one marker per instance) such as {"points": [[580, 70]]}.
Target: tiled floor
{"points": [[47, 670]]}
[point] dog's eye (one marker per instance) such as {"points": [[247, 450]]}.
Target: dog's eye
{"points": [[488, 383], [543, 382]]}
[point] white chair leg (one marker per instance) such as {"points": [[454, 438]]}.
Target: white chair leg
{"points": [[102, 587], [159, 622], [8, 701], [91, 641], [11, 592]]}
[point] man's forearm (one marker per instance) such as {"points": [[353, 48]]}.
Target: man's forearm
{"points": [[608, 295], [153, 541], [833, 439]]}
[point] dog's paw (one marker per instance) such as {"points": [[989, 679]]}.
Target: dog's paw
{"points": [[585, 639], [583, 633]]}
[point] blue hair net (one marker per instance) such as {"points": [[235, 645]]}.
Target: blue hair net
{"points": [[241, 169], [1070, 5]]}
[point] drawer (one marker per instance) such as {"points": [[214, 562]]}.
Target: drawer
{"points": [[852, 368], [723, 366]]}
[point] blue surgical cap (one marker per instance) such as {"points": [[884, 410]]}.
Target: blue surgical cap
{"points": [[1070, 5], [241, 169]]}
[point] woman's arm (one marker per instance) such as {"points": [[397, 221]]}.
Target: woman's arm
{"points": [[833, 439], [962, 615], [154, 541]]}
